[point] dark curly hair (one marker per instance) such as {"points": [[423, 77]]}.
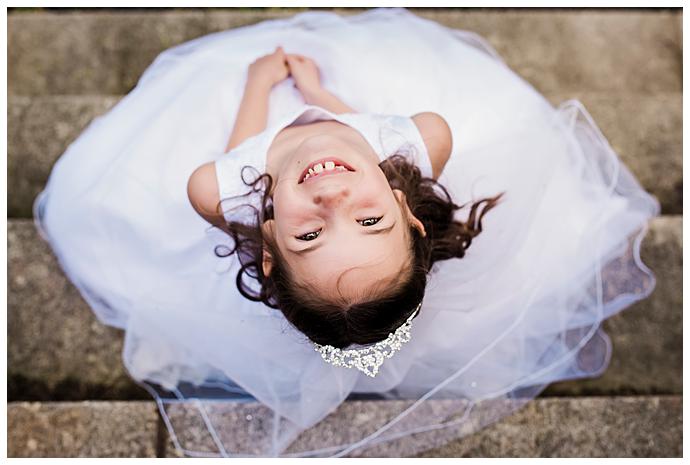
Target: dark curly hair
{"points": [[332, 319]]}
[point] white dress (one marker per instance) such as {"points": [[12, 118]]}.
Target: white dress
{"points": [[521, 310]]}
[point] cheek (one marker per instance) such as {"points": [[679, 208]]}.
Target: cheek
{"points": [[377, 180], [288, 208], [375, 188]]}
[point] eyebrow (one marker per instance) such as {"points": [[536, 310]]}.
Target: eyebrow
{"points": [[385, 230]]}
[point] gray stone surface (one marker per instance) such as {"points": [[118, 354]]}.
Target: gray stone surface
{"points": [[646, 130], [39, 131], [57, 349], [81, 429], [558, 50], [644, 426], [679, 30], [240, 429], [580, 427], [576, 50]]}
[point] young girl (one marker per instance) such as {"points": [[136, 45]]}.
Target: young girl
{"points": [[345, 256], [280, 218]]}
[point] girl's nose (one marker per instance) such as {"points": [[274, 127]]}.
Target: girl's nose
{"points": [[331, 196]]}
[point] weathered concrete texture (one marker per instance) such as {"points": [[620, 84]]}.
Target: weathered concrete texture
{"points": [[57, 349], [96, 53], [39, 131], [648, 332], [679, 30], [646, 131], [81, 429], [247, 428], [580, 427], [559, 50], [570, 50], [545, 427]]}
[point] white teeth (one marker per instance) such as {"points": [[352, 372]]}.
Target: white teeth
{"points": [[326, 166]]}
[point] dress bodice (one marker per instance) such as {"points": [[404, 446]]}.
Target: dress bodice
{"points": [[387, 135]]}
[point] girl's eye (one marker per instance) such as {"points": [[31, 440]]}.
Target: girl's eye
{"points": [[310, 236], [371, 224]]}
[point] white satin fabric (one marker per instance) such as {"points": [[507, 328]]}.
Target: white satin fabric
{"points": [[521, 310]]}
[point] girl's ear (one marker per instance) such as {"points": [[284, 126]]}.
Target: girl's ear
{"points": [[267, 262], [414, 221]]}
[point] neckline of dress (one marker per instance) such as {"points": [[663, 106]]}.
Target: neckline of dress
{"points": [[341, 118]]}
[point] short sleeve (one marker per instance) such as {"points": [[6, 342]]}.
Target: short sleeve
{"points": [[413, 146], [235, 171], [396, 134]]}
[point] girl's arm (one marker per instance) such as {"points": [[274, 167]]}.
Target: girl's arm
{"points": [[438, 139], [262, 75], [324, 99], [253, 112], [307, 79]]}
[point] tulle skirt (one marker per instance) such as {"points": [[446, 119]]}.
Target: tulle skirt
{"points": [[523, 309]]}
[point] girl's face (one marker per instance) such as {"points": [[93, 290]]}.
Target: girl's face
{"points": [[340, 221]]}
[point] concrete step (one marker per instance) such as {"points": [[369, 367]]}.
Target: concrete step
{"points": [[584, 427], [646, 130], [556, 50], [644, 426], [82, 429], [57, 350]]}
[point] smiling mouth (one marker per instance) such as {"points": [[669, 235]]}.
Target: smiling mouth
{"points": [[323, 167]]}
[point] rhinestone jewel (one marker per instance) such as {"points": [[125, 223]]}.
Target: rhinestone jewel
{"points": [[369, 359]]}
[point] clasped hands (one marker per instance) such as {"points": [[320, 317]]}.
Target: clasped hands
{"points": [[275, 67], [263, 74]]}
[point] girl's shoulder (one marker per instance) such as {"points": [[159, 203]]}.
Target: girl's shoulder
{"points": [[437, 138], [204, 193], [425, 138]]}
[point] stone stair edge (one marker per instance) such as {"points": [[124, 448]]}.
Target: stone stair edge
{"points": [[539, 398], [654, 64], [637, 426], [289, 11]]}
